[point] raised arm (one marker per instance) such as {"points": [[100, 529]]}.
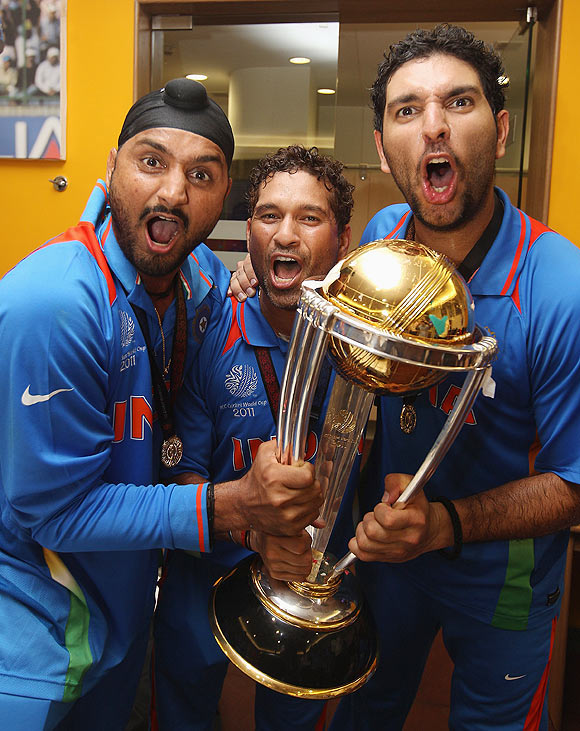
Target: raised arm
{"points": [[243, 282]]}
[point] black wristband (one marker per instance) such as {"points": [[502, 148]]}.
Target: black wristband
{"points": [[247, 542], [454, 551], [210, 506]]}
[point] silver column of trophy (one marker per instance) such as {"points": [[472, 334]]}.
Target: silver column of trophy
{"points": [[394, 318]]}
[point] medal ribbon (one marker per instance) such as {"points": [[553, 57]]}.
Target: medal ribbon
{"points": [[272, 386], [164, 401]]}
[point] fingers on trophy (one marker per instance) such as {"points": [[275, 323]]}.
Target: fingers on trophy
{"points": [[393, 318]]}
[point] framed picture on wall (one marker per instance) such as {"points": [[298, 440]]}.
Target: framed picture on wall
{"points": [[32, 79]]}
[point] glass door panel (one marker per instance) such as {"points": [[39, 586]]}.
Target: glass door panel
{"points": [[361, 48], [270, 101]]}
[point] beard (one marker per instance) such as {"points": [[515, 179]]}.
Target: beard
{"points": [[283, 300], [127, 235], [477, 173]]}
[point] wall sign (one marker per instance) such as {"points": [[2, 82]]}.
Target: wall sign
{"points": [[33, 79]]}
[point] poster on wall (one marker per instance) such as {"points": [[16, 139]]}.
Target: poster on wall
{"points": [[32, 79]]}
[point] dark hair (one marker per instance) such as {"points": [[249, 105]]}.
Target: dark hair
{"points": [[453, 41], [296, 157]]}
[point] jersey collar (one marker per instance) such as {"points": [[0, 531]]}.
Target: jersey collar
{"points": [[505, 259], [254, 327], [499, 270]]}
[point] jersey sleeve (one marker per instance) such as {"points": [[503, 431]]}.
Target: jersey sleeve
{"points": [[550, 302], [56, 437], [383, 223]]}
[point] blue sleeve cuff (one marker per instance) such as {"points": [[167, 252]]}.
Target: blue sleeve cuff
{"points": [[188, 517]]}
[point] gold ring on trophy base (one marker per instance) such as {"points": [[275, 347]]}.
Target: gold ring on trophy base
{"points": [[279, 685], [282, 651], [316, 591], [303, 609]]}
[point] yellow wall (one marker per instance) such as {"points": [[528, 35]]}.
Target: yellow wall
{"points": [[563, 216], [99, 92]]}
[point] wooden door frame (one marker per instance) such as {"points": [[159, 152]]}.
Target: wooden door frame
{"points": [[544, 80]]}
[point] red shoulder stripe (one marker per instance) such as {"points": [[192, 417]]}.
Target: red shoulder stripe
{"points": [[518, 253], [243, 324], [85, 233], [201, 274], [537, 229], [516, 296], [102, 187], [399, 226], [235, 333]]}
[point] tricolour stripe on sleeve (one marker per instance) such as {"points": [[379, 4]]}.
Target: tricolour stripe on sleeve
{"points": [[200, 499]]}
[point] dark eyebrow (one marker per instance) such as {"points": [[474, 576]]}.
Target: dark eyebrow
{"points": [[466, 89], [455, 91], [315, 209], [146, 142], [402, 99], [264, 207]]}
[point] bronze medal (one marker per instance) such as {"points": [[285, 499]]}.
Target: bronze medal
{"points": [[408, 418], [172, 451]]}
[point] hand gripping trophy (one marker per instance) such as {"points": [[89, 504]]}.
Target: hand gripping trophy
{"points": [[394, 318]]}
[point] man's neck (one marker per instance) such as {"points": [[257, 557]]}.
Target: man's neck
{"points": [[281, 321], [456, 244], [161, 290]]}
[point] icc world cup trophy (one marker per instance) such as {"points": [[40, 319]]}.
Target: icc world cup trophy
{"points": [[394, 318]]}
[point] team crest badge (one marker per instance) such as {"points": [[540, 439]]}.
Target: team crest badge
{"points": [[200, 323]]}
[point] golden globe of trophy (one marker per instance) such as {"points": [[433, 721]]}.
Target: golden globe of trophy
{"points": [[394, 318]]}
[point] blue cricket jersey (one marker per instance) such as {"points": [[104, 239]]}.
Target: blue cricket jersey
{"points": [[526, 296], [81, 510], [225, 415]]}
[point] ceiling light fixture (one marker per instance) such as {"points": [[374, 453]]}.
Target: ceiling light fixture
{"points": [[326, 91], [196, 77], [299, 59]]}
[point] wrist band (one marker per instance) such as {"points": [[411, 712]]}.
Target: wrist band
{"points": [[210, 506], [453, 552], [246, 537]]}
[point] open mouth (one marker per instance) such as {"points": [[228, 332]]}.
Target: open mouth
{"points": [[162, 230], [285, 270], [439, 174], [439, 178]]}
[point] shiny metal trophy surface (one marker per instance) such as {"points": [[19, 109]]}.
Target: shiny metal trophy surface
{"points": [[395, 318]]}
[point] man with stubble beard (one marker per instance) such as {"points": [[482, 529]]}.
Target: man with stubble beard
{"points": [[91, 325], [300, 206], [481, 553]]}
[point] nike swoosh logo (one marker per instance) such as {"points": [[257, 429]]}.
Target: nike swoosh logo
{"points": [[513, 677], [29, 399]]}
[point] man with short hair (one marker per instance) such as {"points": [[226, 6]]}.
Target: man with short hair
{"points": [[91, 325], [300, 206], [481, 553]]}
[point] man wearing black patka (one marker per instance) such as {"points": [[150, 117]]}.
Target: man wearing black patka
{"points": [[91, 325]]}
